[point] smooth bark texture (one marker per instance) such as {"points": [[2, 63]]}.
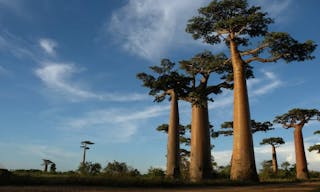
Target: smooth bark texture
{"points": [[173, 165], [243, 166], [301, 161], [200, 159], [274, 160]]}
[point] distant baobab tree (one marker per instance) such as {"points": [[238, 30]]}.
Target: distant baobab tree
{"points": [[274, 142], [297, 118], [46, 163], [84, 145]]}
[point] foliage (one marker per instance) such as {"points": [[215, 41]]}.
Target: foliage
{"points": [[199, 68], [89, 168], [53, 168], [116, 168], [156, 172], [274, 141], [167, 78], [266, 171], [314, 148], [256, 126], [297, 117], [235, 20]]}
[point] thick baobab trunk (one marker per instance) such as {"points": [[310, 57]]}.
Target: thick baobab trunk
{"points": [[243, 166], [84, 156], [274, 160], [173, 165], [301, 161], [200, 159], [45, 167]]}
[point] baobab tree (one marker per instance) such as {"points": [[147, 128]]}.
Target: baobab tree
{"points": [[274, 142], [168, 82], [315, 147], [199, 69], [84, 145], [235, 23], [297, 118], [46, 163]]}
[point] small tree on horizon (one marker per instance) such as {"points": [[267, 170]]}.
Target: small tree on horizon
{"points": [[274, 142], [84, 145], [46, 163]]}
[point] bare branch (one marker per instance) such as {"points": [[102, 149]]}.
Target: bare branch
{"points": [[254, 51]]}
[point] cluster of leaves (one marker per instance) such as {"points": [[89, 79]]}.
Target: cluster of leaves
{"points": [[287, 171], [256, 126], [114, 168]]}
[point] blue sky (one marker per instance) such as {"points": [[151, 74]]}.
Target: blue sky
{"points": [[67, 74]]}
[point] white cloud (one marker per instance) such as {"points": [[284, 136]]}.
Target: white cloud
{"points": [[273, 83], [48, 45], [284, 153], [115, 125], [57, 77], [150, 28], [276, 9]]}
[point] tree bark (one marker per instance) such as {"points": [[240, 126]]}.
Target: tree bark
{"points": [[173, 160], [45, 167], [274, 160], [200, 159], [301, 161], [84, 156], [243, 166]]}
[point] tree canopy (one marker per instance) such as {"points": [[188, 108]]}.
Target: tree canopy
{"points": [[256, 126], [166, 78], [274, 141], [224, 20], [297, 117]]}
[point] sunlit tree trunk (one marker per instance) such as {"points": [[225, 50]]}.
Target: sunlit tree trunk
{"points": [[301, 161], [200, 159], [173, 165], [243, 166], [274, 160]]}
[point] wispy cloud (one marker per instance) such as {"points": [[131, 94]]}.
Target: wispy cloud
{"points": [[16, 46], [150, 29], [58, 78], [272, 82], [48, 45], [119, 125], [276, 9]]}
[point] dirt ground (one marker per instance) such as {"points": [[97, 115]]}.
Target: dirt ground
{"points": [[301, 187]]}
